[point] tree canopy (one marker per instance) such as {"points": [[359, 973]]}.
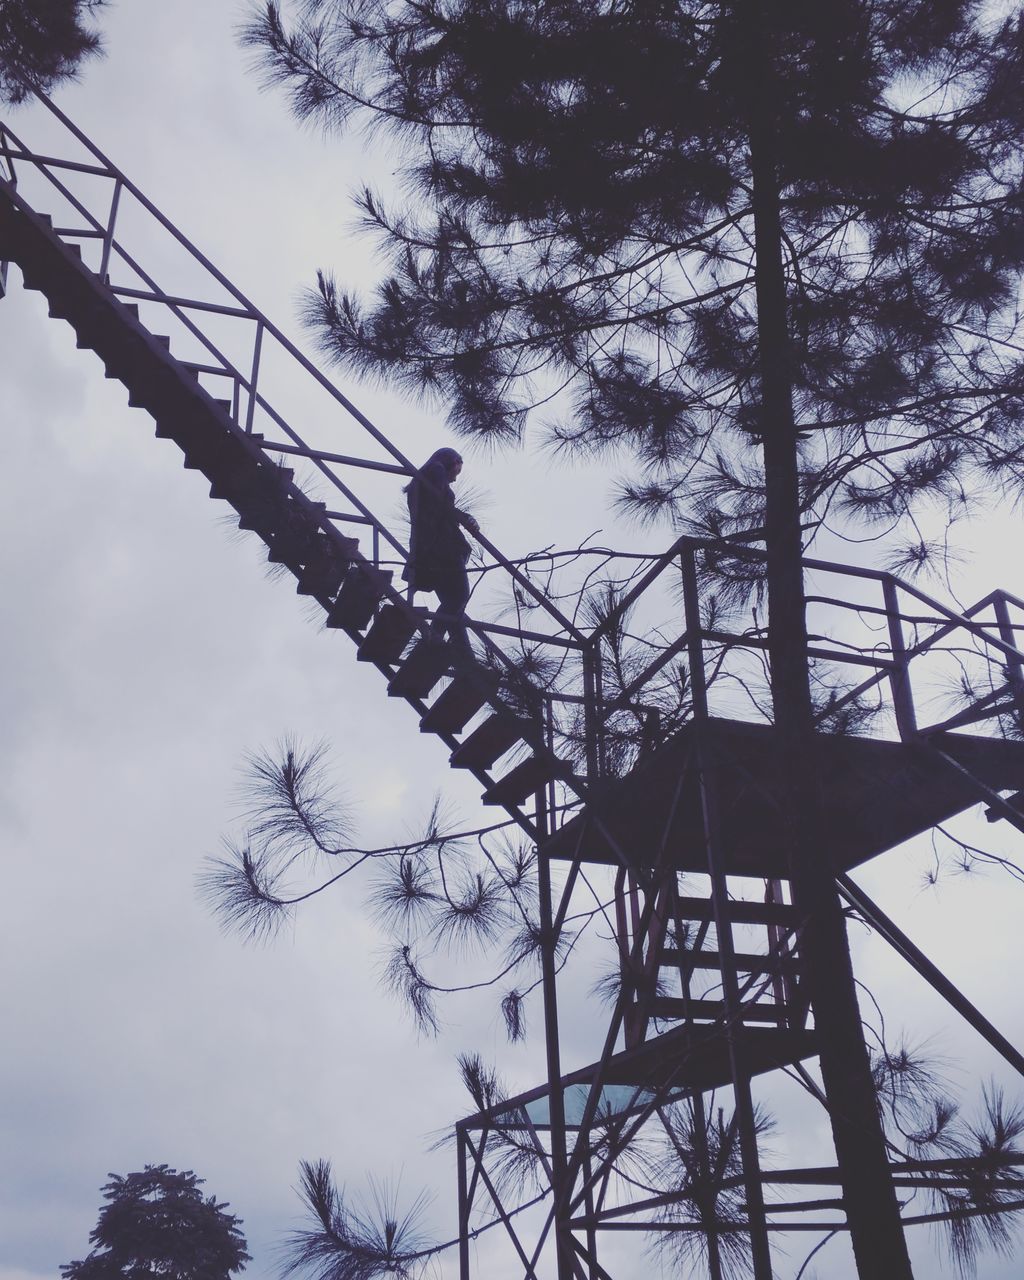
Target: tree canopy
{"points": [[577, 241], [43, 43], [158, 1223]]}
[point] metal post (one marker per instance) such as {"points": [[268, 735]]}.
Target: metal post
{"points": [[7, 168], [899, 679], [254, 373], [759, 1246], [464, 1205], [1014, 665], [700, 1129], [108, 235], [590, 713], [592, 1265], [556, 1098]]}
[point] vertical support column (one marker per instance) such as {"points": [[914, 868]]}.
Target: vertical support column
{"points": [[464, 1205], [1014, 665], [108, 235], [556, 1098], [899, 676], [591, 710], [254, 373], [782, 982], [700, 1130], [8, 175], [591, 1208], [759, 1246]]}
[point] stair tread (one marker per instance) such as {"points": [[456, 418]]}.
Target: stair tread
{"points": [[740, 911], [391, 630], [496, 735], [459, 703], [748, 962], [325, 570], [362, 589], [521, 782], [425, 665], [677, 1007]]}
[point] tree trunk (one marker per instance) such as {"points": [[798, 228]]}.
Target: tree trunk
{"points": [[869, 1196]]}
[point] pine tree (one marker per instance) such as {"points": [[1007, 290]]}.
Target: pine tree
{"points": [[43, 43], [158, 1223], [774, 250]]}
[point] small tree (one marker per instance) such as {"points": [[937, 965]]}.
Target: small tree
{"points": [[158, 1223], [42, 43]]}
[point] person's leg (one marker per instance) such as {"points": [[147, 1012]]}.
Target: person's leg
{"points": [[453, 596]]}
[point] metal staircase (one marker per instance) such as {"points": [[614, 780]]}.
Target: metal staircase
{"points": [[710, 993], [215, 435]]}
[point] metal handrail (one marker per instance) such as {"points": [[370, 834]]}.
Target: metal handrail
{"points": [[246, 311], [585, 684]]}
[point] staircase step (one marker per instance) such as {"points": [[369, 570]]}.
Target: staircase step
{"points": [[713, 1010], [255, 488], [421, 670], [239, 473], [209, 448], [326, 565], [488, 741], [392, 629], [154, 392], [460, 702], [745, 963], [521, 782], [740, 911], [208, 445], [293, 536], [359, 596]]}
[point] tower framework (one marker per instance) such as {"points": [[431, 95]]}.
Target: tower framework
{"points": [[666, 808]]}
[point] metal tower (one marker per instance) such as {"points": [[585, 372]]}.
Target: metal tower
{"points": [[663, 809]]}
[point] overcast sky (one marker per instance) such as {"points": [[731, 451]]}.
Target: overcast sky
{"points": [[144, 651]]}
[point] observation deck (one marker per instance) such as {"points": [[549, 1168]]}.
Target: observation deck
{"points": [[875, 794]]}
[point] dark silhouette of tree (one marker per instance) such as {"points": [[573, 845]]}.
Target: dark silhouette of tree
{"points": [[584, 209], [693, 229], [43, 43], [159, 1223], [346, 1242]]}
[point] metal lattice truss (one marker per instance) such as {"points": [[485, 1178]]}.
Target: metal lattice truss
{"points": [[626, 732]]}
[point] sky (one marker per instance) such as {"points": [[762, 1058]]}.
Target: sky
{"points": [[145, 652]]}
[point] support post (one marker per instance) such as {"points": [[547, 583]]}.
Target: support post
{"points": [[899, 678], [869, 1196], [464, 1204], [8, 175], [108, 235], [759, 1247], [1014, 666], [556, 1099]]}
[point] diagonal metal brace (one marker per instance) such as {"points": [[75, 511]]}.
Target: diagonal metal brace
{"points": [[916, 958]]}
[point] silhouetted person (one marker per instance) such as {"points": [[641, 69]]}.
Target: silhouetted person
{"points": [[438, 550]]}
